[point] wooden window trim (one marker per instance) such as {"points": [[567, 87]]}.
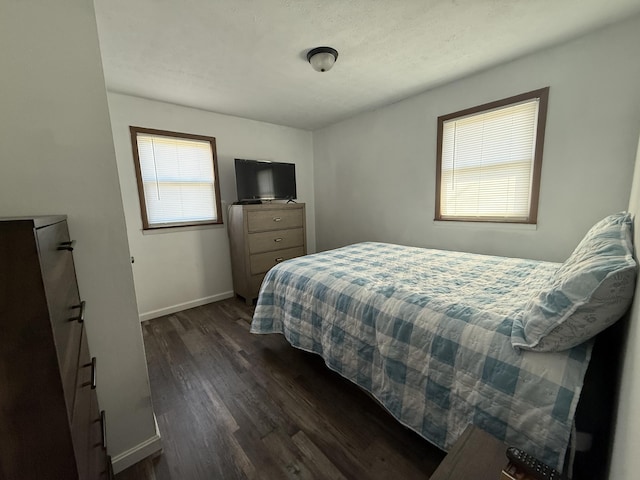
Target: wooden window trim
{"points": [[136, 160], [543, 95]]}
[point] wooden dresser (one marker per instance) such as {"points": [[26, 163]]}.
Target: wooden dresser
{"points": [[260, 237], [50, 423]]}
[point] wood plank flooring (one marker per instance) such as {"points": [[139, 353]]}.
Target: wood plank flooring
{"points": [[232, 405]]}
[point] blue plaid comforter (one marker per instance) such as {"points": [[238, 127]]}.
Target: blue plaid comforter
{"points": [[427, 333]]}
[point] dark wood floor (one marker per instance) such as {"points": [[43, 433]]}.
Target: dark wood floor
{"points": [[233, 405]]}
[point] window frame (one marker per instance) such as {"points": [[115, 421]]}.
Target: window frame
{"points": [[543, 95], [134, 131]]}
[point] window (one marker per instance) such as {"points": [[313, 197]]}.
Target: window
{"points": [[489, 160], [177, 178]]}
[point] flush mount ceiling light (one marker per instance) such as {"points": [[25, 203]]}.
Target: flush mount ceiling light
{"points": [[322, 58]]}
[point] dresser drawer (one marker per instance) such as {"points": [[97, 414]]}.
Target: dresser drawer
{"points": [[81, 419], [275, 240], [98, 462], [69, 365], [262, 262], [276, 219], [86, 379]]}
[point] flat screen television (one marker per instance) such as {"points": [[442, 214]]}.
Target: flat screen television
{"points": [[258, 180]]}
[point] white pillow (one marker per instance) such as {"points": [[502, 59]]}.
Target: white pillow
{"points": [[588, 293]]}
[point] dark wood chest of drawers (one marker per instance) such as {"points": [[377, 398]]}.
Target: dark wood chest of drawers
{"points": [[50, 423], [262, 236]]}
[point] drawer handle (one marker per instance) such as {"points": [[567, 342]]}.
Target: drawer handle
{"points": [[279, 259], [103, 427], [277, 240], [80, 317], [94, 374], [276, 219], [67, 245]]}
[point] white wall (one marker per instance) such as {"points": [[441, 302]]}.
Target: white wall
{"points": [[625, 462], [375, 173], [57, 157], [181, 268]]}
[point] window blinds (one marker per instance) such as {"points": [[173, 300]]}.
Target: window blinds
{"points": [[487, 164], [178, 179]]}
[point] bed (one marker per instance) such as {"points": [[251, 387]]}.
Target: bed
{"points": [[443, 339]]}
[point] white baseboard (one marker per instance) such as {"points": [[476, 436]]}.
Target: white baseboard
{"points": [[139, 452], [184, 306]]}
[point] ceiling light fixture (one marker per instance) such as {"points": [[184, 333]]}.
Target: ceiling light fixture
{"points": [[322, 58]]}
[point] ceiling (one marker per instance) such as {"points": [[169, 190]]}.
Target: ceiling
{"points": [[248, 57]]}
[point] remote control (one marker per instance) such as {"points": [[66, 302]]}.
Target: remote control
{"points": [[531, 466]]}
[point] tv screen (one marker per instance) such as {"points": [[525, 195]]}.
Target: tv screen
{"points": [[259, 180]]}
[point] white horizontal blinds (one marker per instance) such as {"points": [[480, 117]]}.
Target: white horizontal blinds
{"points": [[487, 163], [178, 179]]}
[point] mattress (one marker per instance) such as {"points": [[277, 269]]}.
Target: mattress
{"points": [[428, 334]]}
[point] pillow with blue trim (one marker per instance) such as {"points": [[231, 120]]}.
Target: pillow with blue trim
{"points": [[590, 291]]}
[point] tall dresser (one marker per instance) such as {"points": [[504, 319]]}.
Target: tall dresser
{"points": [[262, 236], [50, 423]]}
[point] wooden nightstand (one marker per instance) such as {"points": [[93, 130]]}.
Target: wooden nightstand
{"points": [[475, 456]]}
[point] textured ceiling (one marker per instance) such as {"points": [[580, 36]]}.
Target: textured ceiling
{"points": [[248, 57]]}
